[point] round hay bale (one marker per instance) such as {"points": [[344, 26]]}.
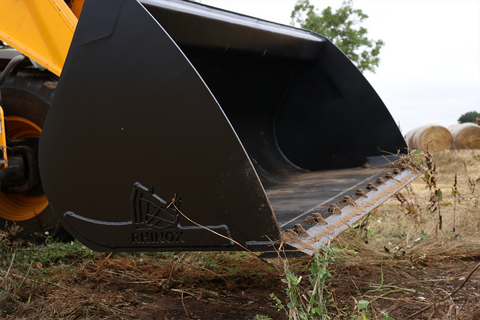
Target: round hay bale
{"points": [[465, 136], [437, 138]]}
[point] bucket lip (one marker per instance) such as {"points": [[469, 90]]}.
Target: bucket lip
{"points": [[335, 224], [215, 13]]}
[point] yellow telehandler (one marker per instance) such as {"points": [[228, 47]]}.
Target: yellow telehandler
{"points": [[169, 125]]}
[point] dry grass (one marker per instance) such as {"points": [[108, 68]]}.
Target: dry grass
{"points": [[121, 286], [408, 224]]}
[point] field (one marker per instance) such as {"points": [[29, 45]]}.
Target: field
{"points": [[415, 257]]}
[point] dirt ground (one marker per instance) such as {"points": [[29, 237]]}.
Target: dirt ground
{"points": [[240, 288], [410, 286]]}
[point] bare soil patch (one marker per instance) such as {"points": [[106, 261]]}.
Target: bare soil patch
{"points": [[142, 288], [406, 287]]}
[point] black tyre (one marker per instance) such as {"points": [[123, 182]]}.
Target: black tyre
{"points": [[26, 97]]}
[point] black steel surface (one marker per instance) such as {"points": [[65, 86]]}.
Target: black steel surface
{"points": [[131, 112], [291, 110], [212, 31], [153, 134], [304, 194], [331, 117]]}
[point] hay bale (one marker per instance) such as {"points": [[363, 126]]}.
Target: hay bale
{"points": [[465, 136], [437, 137]]}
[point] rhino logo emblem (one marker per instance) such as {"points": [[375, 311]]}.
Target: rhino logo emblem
{"points": [[152, 212]]}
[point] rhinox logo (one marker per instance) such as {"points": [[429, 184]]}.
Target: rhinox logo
{"points": [[155, 223], [152, 212]]}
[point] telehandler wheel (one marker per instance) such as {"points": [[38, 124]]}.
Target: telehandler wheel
{"points": [[26, 97]]}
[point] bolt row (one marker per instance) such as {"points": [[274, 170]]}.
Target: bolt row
{"points": [[347, 200]]}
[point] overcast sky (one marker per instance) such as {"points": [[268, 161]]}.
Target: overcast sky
{"points": [[430, 65]]}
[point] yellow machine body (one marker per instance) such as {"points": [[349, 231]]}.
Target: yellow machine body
{"points": [[40, 29], [3, 142]]}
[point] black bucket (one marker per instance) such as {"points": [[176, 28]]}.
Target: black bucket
{"points": [[178, 126]]}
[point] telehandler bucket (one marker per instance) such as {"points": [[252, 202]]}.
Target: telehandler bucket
{"points": [[177, 126]]}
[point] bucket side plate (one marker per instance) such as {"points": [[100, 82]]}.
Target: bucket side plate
{"points": [[136, 153]]}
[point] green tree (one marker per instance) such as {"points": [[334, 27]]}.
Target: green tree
{"points": [[469, 117], [343, 28]]}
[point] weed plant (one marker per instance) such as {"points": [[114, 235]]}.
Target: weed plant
{"points": [[312, 298], [310, 302]]}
